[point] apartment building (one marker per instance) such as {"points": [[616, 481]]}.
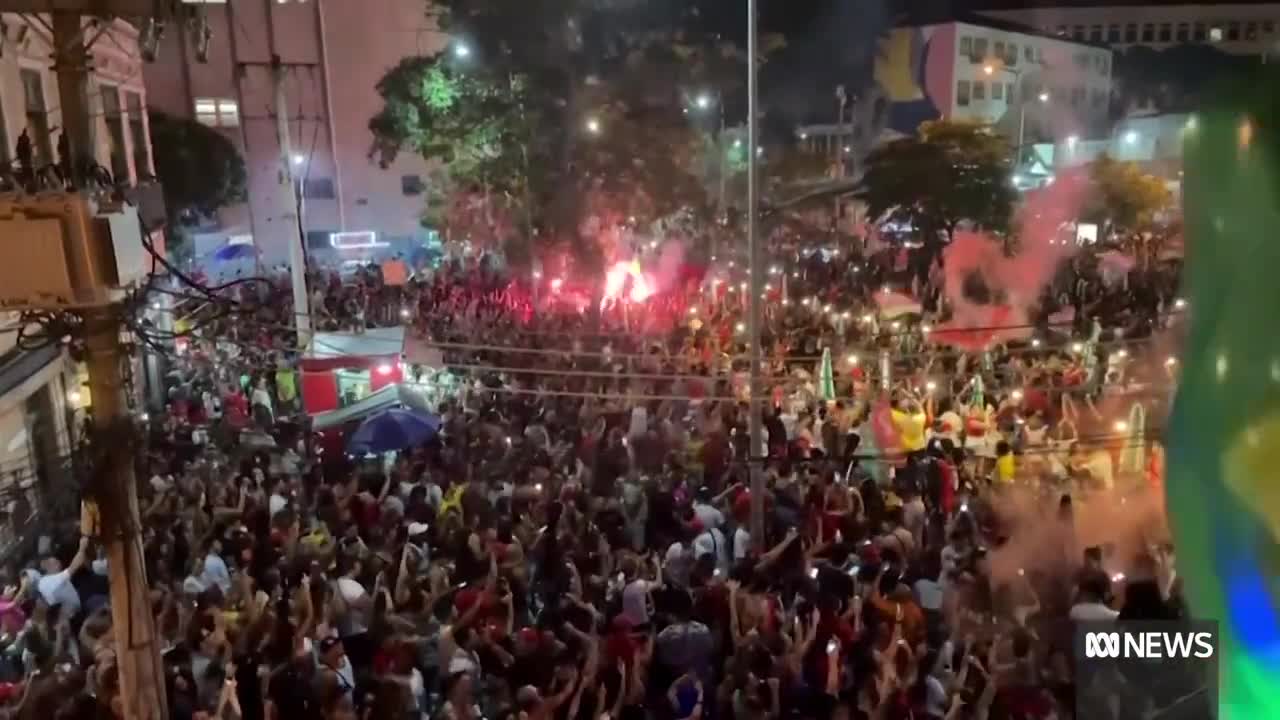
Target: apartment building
{"points": [[333, 52], [1239, 28]]}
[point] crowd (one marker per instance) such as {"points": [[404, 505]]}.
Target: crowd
{"points": [[577, 540]]}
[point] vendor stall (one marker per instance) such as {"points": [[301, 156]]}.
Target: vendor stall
{"points": [[340, 369]]}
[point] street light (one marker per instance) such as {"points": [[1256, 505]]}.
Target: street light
{"points": [[703, 101], [593, 126], [462, 51], [1131, 137], [988, 69], [1044, 97]]}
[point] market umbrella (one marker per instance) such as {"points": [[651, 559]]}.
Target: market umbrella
{"points": [[235, 252], [393, 429]]}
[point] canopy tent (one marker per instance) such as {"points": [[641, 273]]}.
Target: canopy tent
{"points": [[391, 396], [330, 350], [373, 355]]}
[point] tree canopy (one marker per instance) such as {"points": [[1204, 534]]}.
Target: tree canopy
{"points": [[1122, 198], [950, 173], [200, 169], [555, 116]]}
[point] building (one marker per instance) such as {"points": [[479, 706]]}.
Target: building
{"points": [[40, 387], [1032, 87], [1238, 28], [333, 52], [117, 96]]}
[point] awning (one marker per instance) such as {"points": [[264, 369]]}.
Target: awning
{"points": [[388, 397], [332, 350]]}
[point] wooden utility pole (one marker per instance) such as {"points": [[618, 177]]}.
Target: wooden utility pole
{"points": [[141, 675]]}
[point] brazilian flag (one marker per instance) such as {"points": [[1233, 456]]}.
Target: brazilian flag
{"points": [[1223, 485]]}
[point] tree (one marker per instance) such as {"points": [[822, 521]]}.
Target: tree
{"points": [[571, 114], [201, 170], [950, 174], [1122, 198]]}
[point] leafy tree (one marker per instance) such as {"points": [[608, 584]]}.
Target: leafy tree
{"points": [[1123, 198], [569, 114], [952, 173], [200, 168]]}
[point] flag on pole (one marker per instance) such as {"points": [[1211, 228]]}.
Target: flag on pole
{"points": [[1133, 456], [826, 377]]}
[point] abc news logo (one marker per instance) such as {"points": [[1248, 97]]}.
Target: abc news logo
{"points": [[1150, 645]]}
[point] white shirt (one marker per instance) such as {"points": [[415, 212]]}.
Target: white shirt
{"points": [[711, 542], [1092, 612], [741, 544], [216, 573], [56, 589], [708, 515], [352, 591], [277, 503], [635, 601]]}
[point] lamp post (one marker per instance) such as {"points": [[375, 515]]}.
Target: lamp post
{"points": [[755, 426]]}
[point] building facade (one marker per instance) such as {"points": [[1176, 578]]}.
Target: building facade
{"points": [[41, 391], [1241, 28], [1031, 87], [333, 53], [117, 95]]}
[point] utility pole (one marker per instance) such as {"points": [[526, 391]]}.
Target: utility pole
{"points": [[141, 675], [754, 405], [297, 260], [292, 205]]}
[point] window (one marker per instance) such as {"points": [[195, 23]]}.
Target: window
{"points": [[1095, 33], [1113, 33], [218, 112], [115, 132], [1099, 98], [1199, 33], [1008, 92], [979, 90], [998, 50], [1029, 54], [1251, 31], [1062, 30], [1184, 32], [962, 93], [997, 91], [411, 184], [966, 46], [1215, 34], [1077, 32], [1166, 32], [1233, 31], [1268, 27], [37, 115], [318, 239], [1131, 33], [979, 49], [1148, 32], [318, 189], [1011, 55], [1077, 96], [138, 135]]}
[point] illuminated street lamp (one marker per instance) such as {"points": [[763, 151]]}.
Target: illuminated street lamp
{"points": [[593, 126], [703, 101], [462, 51]]}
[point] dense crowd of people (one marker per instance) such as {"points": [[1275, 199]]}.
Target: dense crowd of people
{"points": [[577, 540]]}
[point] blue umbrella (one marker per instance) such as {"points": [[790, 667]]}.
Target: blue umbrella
{"points": [[393, 429], [235, 252]]}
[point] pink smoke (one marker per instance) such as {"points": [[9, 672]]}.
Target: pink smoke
{"points": [[1018, 280]]}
